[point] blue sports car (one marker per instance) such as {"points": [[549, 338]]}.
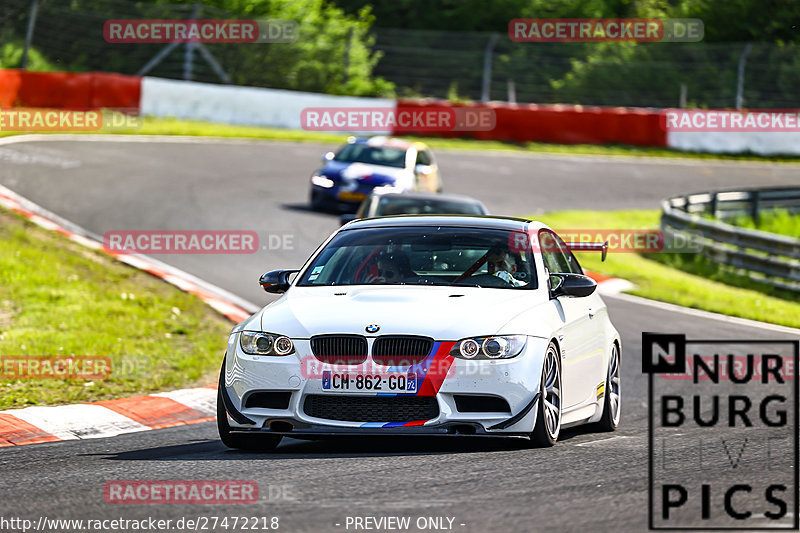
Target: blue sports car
{"points": [[376, 164]]}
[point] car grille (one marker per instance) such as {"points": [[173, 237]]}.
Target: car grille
{"points": [[401, 350], [371, 408], [340, 349]]}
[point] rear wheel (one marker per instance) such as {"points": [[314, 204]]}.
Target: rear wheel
{"points": [[548, 417], [611, 400], [255, 442]]}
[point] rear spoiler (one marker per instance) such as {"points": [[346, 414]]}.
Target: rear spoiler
{"points": [[590, 247]]}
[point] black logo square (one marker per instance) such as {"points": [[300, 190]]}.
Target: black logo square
{"points": [[663, 353]]}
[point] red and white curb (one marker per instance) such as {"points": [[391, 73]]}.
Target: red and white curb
{"points": [[610, 286], [32, 425]]}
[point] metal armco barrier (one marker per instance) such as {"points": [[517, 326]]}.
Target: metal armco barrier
{"points": [[767, 257]]}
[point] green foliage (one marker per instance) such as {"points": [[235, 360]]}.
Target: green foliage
{"points": [[328, 40], [11, 56], [685, 279], [58, 298], [780, 221], [737, 21]]}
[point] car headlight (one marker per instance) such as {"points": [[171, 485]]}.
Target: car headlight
{"points": [[322, 181], [258, 343], [493, 347]]}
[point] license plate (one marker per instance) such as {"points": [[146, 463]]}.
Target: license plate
{"points": [[351, 196], [388, 383]]}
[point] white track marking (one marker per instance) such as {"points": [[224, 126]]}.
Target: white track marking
{"points": [[203, 400], [626, 439], [81, 421]]}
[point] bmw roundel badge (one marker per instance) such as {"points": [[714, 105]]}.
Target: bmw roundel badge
{"points": [[372, 328]]}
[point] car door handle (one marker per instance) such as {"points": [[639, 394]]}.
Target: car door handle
{"points": [[592, 312]]}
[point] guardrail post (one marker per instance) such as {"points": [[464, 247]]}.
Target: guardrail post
{"points": [[755, 208], [713, 205]]}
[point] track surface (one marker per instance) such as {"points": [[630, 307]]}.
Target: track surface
{"points": [[588, 480]]}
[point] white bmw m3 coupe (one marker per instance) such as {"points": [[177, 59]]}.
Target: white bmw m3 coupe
{"points": [[424, 325]]}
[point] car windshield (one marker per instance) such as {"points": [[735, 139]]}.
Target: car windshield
{"points": [[414, 206], [373, 155], [471, 257]]}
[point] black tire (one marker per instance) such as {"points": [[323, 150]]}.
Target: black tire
{"points": [[317, 204], [611, 396], [548, 410], [239, 441]]}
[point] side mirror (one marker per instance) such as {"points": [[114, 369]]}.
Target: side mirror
{"points": [[423, 170], [328, 156], [276, 281], [571, 285], [348, 217]]}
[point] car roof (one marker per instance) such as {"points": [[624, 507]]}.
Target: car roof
{"points": [[381, 140], [461, 221], [428, 196]]}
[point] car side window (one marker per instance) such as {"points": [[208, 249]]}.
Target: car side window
{"points": [[559, 255], [553, 256], [423, 158], [574, 266], [362, 209]]}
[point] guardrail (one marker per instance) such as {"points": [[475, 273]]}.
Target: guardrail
{"points": [[766, 257]]}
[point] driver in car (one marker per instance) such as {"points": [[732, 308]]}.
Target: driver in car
{"points": [[501, 263], [392, 268]]}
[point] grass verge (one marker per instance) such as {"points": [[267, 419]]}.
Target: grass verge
{"points": [[780, 221], [675, 278], [170, 126], [59, 298]]}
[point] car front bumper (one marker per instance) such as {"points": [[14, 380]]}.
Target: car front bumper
{"points": [[514, 382]]}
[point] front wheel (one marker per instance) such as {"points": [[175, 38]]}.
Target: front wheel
{"points": [[548, 417], [316, 201], [255, 442], [611, 401]]}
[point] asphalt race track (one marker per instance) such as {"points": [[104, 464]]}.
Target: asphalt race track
{"points": [[588, 480]]}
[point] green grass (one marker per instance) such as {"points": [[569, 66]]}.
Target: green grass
{"points": [[59, 298], [780, 221], [675, 278], [169, 126]]}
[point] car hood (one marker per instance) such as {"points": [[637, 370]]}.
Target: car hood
{"points": [[444, 313], [363, 172]]}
